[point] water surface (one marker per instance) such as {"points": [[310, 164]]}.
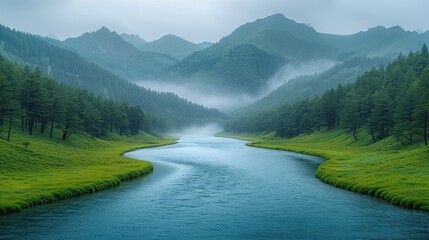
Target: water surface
{"points": [[215, 188]]}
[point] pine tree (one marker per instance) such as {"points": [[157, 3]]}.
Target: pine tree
{"points": [[380, 120], [350, 114], [8, 105]]}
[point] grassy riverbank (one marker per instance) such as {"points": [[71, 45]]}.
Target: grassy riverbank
{"points": [[51, 169], [388, 169]]}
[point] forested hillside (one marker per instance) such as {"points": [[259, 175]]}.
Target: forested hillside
{"points": [[314, 85], [39, 103], [385, 101], [70, 69]]}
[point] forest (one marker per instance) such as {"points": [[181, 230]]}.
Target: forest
{"points": [[384, 101], [31, 102]]}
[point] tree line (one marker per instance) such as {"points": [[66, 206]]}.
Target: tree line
{"points": [[33, 102], [384, 101]]}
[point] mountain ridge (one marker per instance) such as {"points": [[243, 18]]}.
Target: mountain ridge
{"points": [[109, 50], [172, 45]]}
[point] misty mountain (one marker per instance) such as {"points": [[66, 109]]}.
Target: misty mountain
{"points": [[378, 41], [249, 56], [172, 45], [110, 51], [205, 44], [133, 39], [72, 70], [314, 85], [244, 61]]}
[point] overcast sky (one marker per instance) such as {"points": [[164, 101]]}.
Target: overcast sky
{"points": [[205, 20]]}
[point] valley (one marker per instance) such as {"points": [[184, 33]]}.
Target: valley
{"points": [[157, 120]]}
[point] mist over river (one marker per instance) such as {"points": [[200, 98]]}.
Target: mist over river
{"points": [[215, 188]]}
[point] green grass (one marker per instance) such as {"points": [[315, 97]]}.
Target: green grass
{"points": [[51, 169], [388, 169]]}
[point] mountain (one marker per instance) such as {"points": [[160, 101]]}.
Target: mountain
{"points": [[314, 85], [109, 50], [133, 39], [171, 45], [72, 70], [243, 61], [378, 41]]}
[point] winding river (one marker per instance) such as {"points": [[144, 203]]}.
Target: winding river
{"points": [[216, 188]]}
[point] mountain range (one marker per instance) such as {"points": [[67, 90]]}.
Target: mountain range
{"points": [[109, 50], [56, 60], [242, 63]]}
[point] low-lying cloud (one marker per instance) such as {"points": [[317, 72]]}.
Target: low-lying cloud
{"points": [[198, 130], [229, 102], [291, 71]]}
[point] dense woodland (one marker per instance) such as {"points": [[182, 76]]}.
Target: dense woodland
{"points": [[30, 102], [385, 101], [69, 68]]}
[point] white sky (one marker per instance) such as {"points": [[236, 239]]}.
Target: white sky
{"points": [[205, 20]]}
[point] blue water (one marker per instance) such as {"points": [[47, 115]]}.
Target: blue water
{"points": [[215, 188]]}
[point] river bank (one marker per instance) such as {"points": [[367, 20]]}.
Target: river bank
{"points": [[48, 170], [388, 169]]}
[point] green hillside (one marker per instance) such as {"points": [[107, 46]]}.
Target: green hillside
{"points": [[51, 169], [172, 45]]}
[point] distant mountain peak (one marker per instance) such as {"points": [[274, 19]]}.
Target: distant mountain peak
{"points": [[171, 45], [277, 16], [103, 29]]}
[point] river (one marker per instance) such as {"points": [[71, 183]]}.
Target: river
{"points": [[215, 188]]}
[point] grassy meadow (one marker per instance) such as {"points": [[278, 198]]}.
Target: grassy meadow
{"points": [[388, 169], [51, 169]]}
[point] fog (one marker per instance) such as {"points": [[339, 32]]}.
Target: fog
{"points": [[291, 71], [214, 99], [207, 130], [229, 102]]}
